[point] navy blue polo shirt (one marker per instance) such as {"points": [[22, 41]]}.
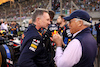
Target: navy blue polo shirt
{"points": [[33, 52]]}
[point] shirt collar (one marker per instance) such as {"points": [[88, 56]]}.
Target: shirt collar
{"points": [[76, 33]]}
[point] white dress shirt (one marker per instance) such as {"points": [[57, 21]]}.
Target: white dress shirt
{"points": [[4, 27], [71, 55]]}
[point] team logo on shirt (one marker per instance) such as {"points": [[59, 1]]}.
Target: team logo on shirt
{"points": [[9, 61], [23, 36], [34, 44], [68, 33], [99, 26], [40, 33], [54, 32]]}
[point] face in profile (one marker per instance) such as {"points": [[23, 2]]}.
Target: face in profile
{"points": [[45, 20], [73, 25], [59, 20]]}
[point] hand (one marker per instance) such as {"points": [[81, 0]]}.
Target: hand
{"points": [[58, 40]]}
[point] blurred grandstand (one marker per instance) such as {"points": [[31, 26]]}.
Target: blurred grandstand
{"points": [[11, 10], [22, 9]]}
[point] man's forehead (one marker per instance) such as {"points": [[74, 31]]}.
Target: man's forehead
{"points": [[46, 15], [59, 16]]}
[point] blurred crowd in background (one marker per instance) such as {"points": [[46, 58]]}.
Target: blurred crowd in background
{"points": [[28, 6]]}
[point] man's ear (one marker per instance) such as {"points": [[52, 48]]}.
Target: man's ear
{"points": [[80, 23], [63, 20], [38, 19]]}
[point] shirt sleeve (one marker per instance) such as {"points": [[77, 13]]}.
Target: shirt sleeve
{"points": [[30, 51], [70, 56]]}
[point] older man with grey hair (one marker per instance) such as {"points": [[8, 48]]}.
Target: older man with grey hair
{"points": [[81, 50]]}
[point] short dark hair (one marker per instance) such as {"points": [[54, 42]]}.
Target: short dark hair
{"points": [[62, 16], [51, 14], [38, 12]]}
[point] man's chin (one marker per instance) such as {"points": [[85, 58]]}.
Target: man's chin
{"points": [[46, 27]]}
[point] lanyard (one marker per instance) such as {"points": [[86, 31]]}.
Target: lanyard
{"points": [[7, 51]]}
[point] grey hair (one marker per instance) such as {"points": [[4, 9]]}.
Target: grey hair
{"points": [[38, 12], [84, 22]]}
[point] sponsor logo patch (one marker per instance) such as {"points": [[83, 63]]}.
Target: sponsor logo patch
{"points": [[23, 36], [9, 61], [31, 48], [34, 44]]}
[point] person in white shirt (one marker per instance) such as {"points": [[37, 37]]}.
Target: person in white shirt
{"points": [[81, 51], [4, 26], [1, 21]]}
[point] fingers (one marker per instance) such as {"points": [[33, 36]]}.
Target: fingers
{"points": [[57, 39], [55, 36]]}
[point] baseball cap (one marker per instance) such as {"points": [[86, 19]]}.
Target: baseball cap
{"points": [[80, 14]]}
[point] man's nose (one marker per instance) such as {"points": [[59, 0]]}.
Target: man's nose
{"points": [[49, 23]]}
